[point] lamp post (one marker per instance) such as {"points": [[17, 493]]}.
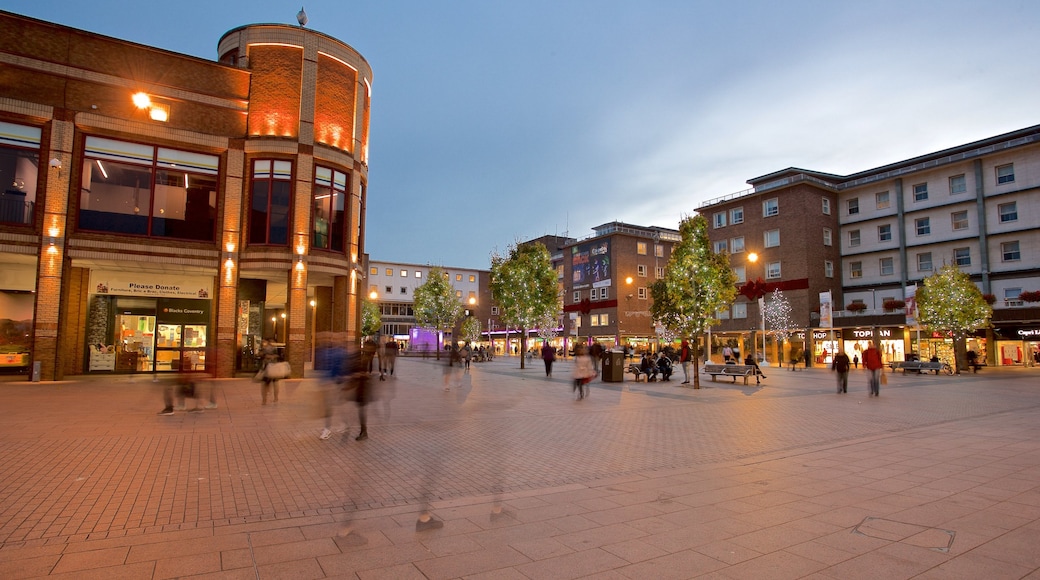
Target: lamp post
{"points": [[314, 324], [753, 258]]}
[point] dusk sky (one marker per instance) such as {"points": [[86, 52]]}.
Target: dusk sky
{"points": [[496, 122]]}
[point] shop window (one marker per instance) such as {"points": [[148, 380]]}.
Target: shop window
{"points": [[136, 189], [330, 199], [19, 171], [269, 206]]}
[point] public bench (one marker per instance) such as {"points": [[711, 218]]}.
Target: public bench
{"points": [[795, 365], [635, 370], [915, 366], [745, 371]]}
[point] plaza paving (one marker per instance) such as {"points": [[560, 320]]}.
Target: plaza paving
{"points": [[939, 477]]}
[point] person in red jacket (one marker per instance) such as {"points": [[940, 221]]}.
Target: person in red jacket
{"points": [[873, 365]]}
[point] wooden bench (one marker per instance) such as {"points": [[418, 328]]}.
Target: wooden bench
{"points": [[634, 369], [746, 371]]}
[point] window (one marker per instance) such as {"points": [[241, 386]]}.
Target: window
{"points": [[741, 275], [855, 269], [770, 207], [719, 219], [329, 213], [924, 262], [853, 206], [404, 273], [887, 266], [1006, 174], [136, 189], [603, 293], [923, 225], [962, 256], [881, 199], [269, 203], [827, 237], [853, 238], [826, 206], [722, 314], [720, 246], [641, 271], [494, 311], [960, 220], [828, 268], [736, 245], [472, 278], [641, 293], [659, 272], [373, 271], [1008, 212], [19, 168], [641, 248], [1013, 296], [404, 290], [921, 192], [389, 289], [1010, 251], [458, 293], [958, 184], [418, 274], [740, 310], [659, 250], [736, 215], [577, 296], [389, 271], [884, 233], [773, 270], [599, 320], [772, 238], [458, 277]]}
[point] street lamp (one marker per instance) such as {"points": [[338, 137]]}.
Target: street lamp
{"points": [[314, 330], [753, 258]]}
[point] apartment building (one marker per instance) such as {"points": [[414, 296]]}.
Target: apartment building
{"points": [[976, 206], [160, 210], [391, 286], [606, 281]]}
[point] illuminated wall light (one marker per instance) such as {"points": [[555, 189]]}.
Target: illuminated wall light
{"points": [[159, 113], [141, 100]]}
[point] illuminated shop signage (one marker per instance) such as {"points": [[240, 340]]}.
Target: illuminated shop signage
{"points": [[872, 333], [150, 285]]}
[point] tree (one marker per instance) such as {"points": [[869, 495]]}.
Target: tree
{"points": [[371, 321], [524, 287], [697, 284], [436, 305], [470, 329], [778, 317], [950, 302]]}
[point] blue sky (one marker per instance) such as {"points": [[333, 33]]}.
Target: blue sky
{"points": [[496, 122]]}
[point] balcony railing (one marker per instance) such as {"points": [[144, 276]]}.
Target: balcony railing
{"points": [[15, 210]]}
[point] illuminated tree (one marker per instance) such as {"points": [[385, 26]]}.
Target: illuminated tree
{"points": [[950, 302], [778, 316], [525, 288], [371, 321], [470, 329], [436, 305], [697, 284]]}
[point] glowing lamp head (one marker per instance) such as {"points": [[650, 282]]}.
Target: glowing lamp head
{"points": [[752, 257], [141, 100]]}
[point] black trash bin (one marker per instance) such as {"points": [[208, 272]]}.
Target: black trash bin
{"points": [[614, 367]]}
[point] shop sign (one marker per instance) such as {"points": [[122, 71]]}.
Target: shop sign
{"points": [[150, 285], [871, 333], [816, 335], [182, 311], [1029, 333]]}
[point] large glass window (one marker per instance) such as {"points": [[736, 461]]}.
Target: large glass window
{"points": [[19, 172], [138, 189], [330, 194], [269, 206]]}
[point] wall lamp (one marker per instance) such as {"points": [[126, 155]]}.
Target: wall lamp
{"points": [[156, 111]]}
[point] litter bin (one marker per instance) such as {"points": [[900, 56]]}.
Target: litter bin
{"points": [[614, 367]]}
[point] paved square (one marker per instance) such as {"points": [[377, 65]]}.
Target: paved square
{"points": [[937, 478]]}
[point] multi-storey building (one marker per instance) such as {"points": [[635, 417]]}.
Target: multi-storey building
{"points": [[161, 210], [976, 206], [391, 286], [607, 279]]}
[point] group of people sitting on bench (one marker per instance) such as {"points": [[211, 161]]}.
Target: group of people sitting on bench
{"points": [[651, 366]]}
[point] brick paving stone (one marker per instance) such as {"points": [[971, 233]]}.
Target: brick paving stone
{"points": [[91, 472]]}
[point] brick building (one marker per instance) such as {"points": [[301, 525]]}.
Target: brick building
{"points": [[162, 210]]}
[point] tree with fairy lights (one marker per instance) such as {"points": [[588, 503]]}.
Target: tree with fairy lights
{"points": [[778, 317], [524, 286], [949, 302], [697, 284], [470, 329], [371, 320], [436, 304]]}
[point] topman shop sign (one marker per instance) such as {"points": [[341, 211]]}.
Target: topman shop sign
{"points": [[150, 285]]}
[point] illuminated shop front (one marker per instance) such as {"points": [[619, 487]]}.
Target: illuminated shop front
{"points": [[147, 322], [1018, 345], [889, 340]]}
